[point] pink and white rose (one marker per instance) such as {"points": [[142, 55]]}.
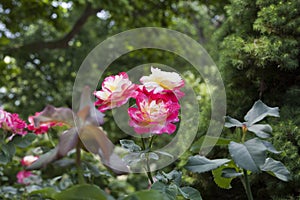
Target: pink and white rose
{"points": [[116, 90], [155, 113], [160, 80], [28, 160], [5, 119], [12, 122], [18, 125]]}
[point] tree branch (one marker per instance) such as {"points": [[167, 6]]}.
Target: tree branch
{"points": [[60, 43]]}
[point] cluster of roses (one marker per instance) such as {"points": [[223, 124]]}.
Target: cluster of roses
{"points": [[23, 175], [157, 107], [13, 123]]}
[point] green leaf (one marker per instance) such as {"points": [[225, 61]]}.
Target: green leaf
{"points": [[146, 195], [84, 191], [192, 193], [174, 176], [45, 192], [130, 145], [200, 164], [270, 147], [261, 130], [24, 141], [249, 155], [208, 141], [169, 191], [4, 156], [231, 122], [17, 139], [230, 173], [259, 111], [222, 182], [7, 152], [158, 185], [277, 169]]}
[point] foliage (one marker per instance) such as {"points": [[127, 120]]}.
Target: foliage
{"points": [[248, 156], [169, 184], [286, 137], [259, 51]]}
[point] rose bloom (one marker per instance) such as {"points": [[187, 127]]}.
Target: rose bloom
{"points": [[43, 128], [116, 90], [22, 175], [155, 113], [161, 80], [18, 125], [12, 122], [28, 160], [5, 119]]}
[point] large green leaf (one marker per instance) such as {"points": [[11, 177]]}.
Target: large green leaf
{"points": [[259, 111], [231, 122], [270, 147], [79, 192], [45, 193], [222, 182], [249, 155], [261, 130], [230, 172], [169, 191], [192, 193], [200, 164], [146, 195], [277, 169], [208, 141]]}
